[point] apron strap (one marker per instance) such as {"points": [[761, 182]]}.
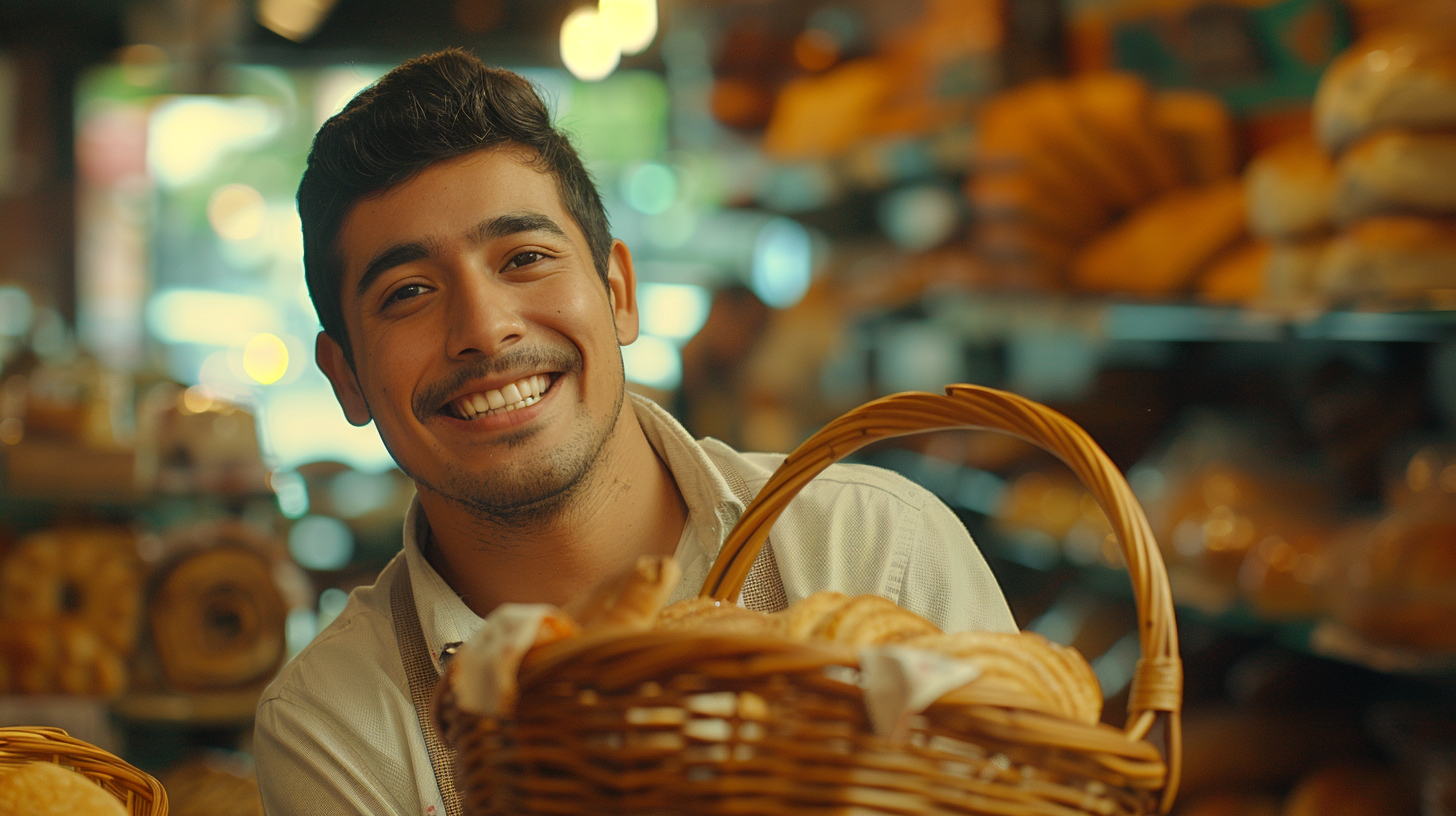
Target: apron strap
{"points": [[422, 680], [763, 589]]}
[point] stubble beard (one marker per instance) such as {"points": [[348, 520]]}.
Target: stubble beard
{"points": [[539, 492]]}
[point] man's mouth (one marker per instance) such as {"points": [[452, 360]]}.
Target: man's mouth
{"points": [[517, 395]]}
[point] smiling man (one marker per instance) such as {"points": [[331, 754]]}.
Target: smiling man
{"points": [[474, 305]]}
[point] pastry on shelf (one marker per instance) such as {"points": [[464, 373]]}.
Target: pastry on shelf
{"points": [[1238, 276], [70, 606], [1397, 171], [1400, 77], [1396, 585], [1201, 130], [1351, 788], [193, 441], [1397, 259], [1136, 257], [47, 789], [1290, 189]]}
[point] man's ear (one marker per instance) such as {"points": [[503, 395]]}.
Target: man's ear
{"points": [[622, 288], [335, 365]]}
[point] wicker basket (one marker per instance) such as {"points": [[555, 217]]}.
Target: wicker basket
{"points": [[666, 722], [138, 791]]}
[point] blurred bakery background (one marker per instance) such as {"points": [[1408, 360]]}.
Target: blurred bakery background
{"points": [[1219, 234]]}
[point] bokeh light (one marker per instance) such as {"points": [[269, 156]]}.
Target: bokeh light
{"points": [[654, 362], [265, 358], [189, 134], [651, 188], [588, 47], [782, 263], [236, 212], [671, 310], [320, 543], [633, 23], [207, 317]]}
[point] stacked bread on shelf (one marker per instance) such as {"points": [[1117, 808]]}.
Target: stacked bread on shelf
{"points": [[1080, 182], [70, 605], [1364, 211]]}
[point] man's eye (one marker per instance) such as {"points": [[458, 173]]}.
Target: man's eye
{"points": [[524, 259], [405, 292]]}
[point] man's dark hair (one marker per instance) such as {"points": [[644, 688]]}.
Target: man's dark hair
{"points": [[432, 108]]}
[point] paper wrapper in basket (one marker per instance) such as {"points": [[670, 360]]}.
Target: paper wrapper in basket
{"points": [[677, 721]]}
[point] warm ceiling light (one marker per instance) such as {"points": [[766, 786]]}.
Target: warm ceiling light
{"points": [[588, 47], [294, 19], [632, 22]]}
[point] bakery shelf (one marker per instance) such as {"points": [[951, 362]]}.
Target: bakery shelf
{"points": [[991, 315], [973, 494], [215, 708]]}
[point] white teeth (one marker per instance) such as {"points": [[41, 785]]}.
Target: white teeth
{"points": [[520, 394]]}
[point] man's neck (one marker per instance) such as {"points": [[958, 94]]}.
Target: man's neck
{"points": [[629, 505]]}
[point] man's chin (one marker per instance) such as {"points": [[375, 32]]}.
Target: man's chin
{"points": [[517, 505]]}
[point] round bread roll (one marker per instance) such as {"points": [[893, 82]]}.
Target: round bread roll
{"points": [[1292, 274], [1289, 189], [1400, 77], [217, 620], [1397, 171], [1226, 803], [1398, 586], [1390, 257], [47, 789], [1350, 789], [1051, 109]]}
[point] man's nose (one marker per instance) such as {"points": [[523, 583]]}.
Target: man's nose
{"points": [[484, 315]]}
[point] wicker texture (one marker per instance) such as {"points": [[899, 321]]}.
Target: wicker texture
{"points": [[676, 722], [137, 790]]}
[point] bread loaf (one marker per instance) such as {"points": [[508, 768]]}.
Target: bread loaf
{"points": [[1201, 132], [1390, 257], [1290, 188], [1163, 246], [1397, 171], [1395, 78], [47, 789]]}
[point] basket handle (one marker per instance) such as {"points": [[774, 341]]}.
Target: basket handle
{"points": [[1157, 680]]}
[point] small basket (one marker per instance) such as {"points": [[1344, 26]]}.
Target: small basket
{"points": [[141, 794], [669, 722]]}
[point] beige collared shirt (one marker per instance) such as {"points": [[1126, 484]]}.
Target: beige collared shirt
{"points": [[336, 731]]}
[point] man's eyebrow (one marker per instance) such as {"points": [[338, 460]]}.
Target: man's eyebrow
{"points": [[387, 260], [513, 223]]}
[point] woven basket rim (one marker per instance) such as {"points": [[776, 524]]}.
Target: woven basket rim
{"points": [[136, 789]]}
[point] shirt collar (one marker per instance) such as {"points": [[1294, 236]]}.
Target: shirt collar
{"points": [[713, 509]]}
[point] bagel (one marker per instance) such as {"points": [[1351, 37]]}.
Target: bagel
{"points": [[70, 601], [217, 619]]}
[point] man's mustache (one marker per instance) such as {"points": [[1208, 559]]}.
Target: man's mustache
{"points": [[430, 399]]}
